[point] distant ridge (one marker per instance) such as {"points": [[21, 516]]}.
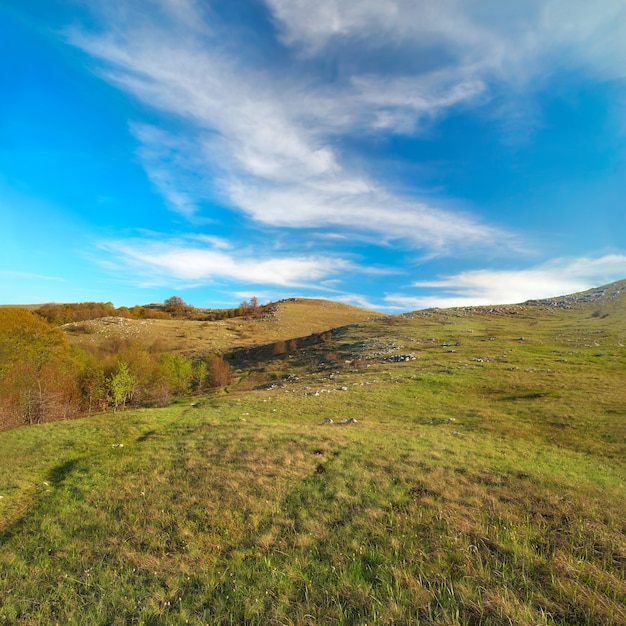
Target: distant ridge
{"points": [[595, 295]]}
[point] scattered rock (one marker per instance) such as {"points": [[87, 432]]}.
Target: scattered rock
{"points": [[345, 422], [400, 358]]}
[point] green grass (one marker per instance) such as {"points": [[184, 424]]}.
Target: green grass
{"points": [[483, 483]]}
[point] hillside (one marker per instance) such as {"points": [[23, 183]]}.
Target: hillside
{"points": [[462, 466], [292, 318]]}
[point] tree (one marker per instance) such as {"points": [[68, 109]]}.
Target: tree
{"points": [[93, 387], [175, 302], [178, 371], [200, 374], [177, 307], [121, 385], [280, 348], [249, 308], [38, 371]]}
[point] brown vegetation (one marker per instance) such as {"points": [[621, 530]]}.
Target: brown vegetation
{"points": [[43, 378], [123, 358], [173, 308]]}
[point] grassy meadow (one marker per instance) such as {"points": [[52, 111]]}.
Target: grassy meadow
{"points": [[483, 482]]}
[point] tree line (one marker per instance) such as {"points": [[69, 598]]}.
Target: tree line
{"points": [[43, 378], [172, 308]]}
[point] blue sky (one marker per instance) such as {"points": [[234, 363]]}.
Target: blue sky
{"points": [[397, 155]]}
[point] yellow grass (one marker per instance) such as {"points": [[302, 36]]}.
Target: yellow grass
{"points": [[296, 317]]}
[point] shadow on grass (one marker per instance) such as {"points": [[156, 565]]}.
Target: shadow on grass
{"points": [[147, 435], [57, 475]]}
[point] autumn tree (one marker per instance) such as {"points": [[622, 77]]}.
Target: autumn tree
{"points": [[38, 370], [250, 308], [175, 302], [177, 307], [280, 348], [93, 384]]}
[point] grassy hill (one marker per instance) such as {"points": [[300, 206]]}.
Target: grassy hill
{"points": [[291, 318], [459, 466]]}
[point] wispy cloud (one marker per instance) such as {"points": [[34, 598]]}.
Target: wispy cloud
{"points": [[486, 287], [591, 34], [173, 168], [264, 142], [501, 51], [515, 40], [9, 274], [401, 104], [274, 142], [358, 207], [314, 24], [166, 262]]}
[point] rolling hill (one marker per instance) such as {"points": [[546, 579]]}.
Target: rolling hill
{"points": [[290, 318], [461, 466]]}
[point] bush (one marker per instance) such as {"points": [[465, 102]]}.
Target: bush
{"points": [[219, 372]]}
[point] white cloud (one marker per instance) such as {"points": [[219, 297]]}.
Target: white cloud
{"points": [[360, 208], [267, 141], [313, 24], [175, 261], [359, 300], [214, 242], [399, 104], [264, 142], [490, 287], [504, 51], [514, 38], [592, 33]]}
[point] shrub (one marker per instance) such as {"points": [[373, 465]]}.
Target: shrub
{"points": [[280, 348], [219, 372]]}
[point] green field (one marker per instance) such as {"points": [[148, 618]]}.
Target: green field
{"points": [[483, 482]]}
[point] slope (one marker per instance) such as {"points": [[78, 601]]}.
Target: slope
{"points": [[291, 318], [462, 466]]}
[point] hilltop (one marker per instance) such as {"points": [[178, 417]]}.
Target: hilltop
{"points": [[285, 319]]}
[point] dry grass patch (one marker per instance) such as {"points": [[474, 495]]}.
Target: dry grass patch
{"points": [[293, 318]]}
